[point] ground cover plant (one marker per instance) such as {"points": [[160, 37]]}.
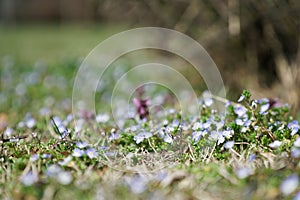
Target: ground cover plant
{"points": [[248, 150]]}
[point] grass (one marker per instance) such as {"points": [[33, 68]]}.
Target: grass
{"points": [[45, 155], [52, 43]]}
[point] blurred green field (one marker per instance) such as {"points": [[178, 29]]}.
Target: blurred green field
{"points": [[51, 43]]}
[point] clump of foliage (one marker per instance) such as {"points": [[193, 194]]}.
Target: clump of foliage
{"points": [[162, 154]]}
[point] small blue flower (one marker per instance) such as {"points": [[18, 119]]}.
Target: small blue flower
{"points": [[295, 152], [297, 196], [217, 136], [297, 142], [30, 122], [275, 144], [239, 122], [241, 98], [243, 172], [240, 111], [228, 133], [220, 124], [29, 179], [197, 126], [168, 139], [264, 108], [294, 127], [64, 178], [53, 170], [65, 161], [91, 153], [46, 155], [81, 145], [227, 104], [252, 157], [197, 135], [114, 136], [8, 132], [34, 157], [137, 184], [206, 125], [141, 136], [78, 152], [289, 184], [229, 145], [208, 101]]}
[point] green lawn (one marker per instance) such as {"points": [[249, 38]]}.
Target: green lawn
{"points": [[51, 43]]}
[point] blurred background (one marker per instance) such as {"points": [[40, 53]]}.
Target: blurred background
{"points": [[255, 44]]}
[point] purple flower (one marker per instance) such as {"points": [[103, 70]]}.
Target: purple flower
{"points": [[289, 184], [85, 114], [142, 106]]}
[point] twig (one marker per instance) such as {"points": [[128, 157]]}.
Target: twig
{"points": [[14, 139], [210, 155]]}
